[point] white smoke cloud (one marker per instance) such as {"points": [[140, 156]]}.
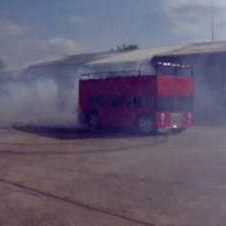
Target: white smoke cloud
{"points": [[7, 28], [192, 18], [65, 46], [37, 102], [20, 47], [179, 3], [75, 19]]}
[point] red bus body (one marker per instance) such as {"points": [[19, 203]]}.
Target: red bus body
{"points": [[121, 101]]}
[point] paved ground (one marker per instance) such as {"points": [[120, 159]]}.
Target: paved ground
{"points": [[65, 178]]}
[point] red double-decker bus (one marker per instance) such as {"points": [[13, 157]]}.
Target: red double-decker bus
{"points": [[159, 101]]}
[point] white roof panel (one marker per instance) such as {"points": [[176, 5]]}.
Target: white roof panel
{"points": [[147, 54], [133, 56]]}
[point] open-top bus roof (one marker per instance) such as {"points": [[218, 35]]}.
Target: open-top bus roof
{"points": [[130, 73]]}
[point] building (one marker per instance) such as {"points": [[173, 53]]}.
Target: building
{"points": [[207, 59]]}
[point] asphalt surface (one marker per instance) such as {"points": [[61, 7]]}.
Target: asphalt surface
{"points": [[66, 177]]}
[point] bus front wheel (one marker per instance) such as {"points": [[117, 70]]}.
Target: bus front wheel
{"points": [[145, 125]]}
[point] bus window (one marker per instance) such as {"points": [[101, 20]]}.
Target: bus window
{"points": [[165, 70], [184, 72], [175, 104], [135, 102], [147, 101], [98, 101], [140, 102], [117, 101]]}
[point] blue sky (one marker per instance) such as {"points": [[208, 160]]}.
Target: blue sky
{"points": [[32, 31]]}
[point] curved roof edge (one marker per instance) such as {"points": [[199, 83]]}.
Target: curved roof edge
{"points": [[148, 54]]}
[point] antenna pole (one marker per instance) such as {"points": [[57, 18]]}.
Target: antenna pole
{"points": [[212, 21]]}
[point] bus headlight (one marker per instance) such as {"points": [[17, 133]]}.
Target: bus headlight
{"points": [[189, 118], [162, 118]]}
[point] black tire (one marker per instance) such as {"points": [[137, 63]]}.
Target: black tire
{"points": [[93, 121], [145, 125], [179, 130]]}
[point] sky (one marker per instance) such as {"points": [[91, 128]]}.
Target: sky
{"points": [[34, 31]]}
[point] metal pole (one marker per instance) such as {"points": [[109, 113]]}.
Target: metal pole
{"points": [[212, 16]]}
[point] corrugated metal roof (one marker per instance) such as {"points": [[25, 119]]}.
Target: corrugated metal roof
{"points": [[132, 60], [199, 48], [133, 56], [147, 54], [78, 59]]}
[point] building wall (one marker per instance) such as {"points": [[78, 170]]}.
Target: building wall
{"points": [[209, 75]]}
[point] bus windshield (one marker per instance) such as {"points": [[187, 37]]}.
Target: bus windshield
{"points": [[175, 104]]}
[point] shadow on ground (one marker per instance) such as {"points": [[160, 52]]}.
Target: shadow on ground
{"points": [[75, 133]]}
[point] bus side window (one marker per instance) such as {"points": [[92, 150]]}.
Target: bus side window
{"points": [[140, 102], [137, 102], [147, 101], [98, 101], [129, 102], [117, 101]]}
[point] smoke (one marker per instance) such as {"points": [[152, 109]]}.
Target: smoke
{"points": [[210, 90], [39, 102], [51, 97], [193, 20]]}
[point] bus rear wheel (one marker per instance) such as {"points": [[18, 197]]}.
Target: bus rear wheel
{"points": [[145, 125]]}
